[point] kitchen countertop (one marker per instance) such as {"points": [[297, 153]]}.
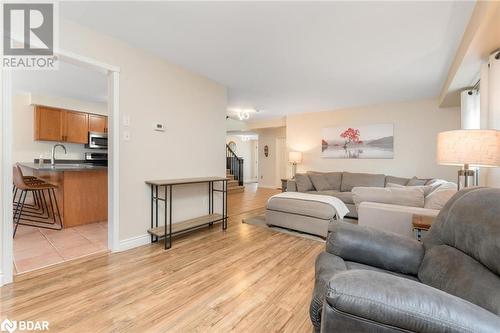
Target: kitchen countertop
{"points": [[77, 166]]}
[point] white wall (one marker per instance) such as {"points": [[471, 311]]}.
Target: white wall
{"points": [[416, 125], [193, 109], [24, 147], [244, 150], [268, 176]]}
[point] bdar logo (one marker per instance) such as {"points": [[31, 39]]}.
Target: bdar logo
{"points": [[8, 325]]}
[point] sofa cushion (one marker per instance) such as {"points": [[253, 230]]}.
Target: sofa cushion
{"points": [[454, 272], [310, 208], [303, 182], [440, 196], [406, 196], [326, 180], [469, 222], [350, 180], [396, 180]]}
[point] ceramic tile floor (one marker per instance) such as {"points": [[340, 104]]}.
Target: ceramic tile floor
{"points": [[35, 248]]}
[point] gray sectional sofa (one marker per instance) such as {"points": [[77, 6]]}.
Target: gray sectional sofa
{"points": [[340, 184]]}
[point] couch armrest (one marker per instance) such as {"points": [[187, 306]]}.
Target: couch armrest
{"points": [[392, 218], [291, 185], [363, 301], [374, 247]]}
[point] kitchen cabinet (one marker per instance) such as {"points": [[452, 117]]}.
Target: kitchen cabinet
{"points": [[48, 124], [52, 124], [98, 123], [76, 127]]}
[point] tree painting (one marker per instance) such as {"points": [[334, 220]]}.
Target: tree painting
{"points": [[350, 135], [363, 141]]}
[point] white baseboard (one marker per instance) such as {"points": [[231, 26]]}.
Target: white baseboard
{"points": [[132, 242], [1, 279]]}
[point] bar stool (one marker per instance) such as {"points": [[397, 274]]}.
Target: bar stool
{"points": [[37, 200], [38, 214]]}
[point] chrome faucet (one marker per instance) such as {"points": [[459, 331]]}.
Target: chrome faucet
{"points": [[53, 158]]}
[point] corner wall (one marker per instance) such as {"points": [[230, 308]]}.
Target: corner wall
{"points": [[416, 125], [193, 109]]}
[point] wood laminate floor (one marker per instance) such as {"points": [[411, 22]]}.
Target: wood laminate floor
{"points": [[247, 279]]}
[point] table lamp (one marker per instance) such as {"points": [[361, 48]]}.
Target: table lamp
{"points": [[466, 148], [294, 157]]}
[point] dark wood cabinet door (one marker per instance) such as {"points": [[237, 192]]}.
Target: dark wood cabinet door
{"points": [[97, 123], [48, 124], [76, 127]]}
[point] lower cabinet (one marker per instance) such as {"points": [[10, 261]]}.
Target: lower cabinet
{"points": [[82, 195]]}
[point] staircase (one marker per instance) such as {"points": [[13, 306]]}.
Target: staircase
{"points": [[234, 172], [233, 185]]}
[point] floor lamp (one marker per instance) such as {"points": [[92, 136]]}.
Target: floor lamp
{"points": [[294, 157], [466, 148]]}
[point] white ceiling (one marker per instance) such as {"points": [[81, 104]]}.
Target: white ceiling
{"points": [[68, 81], [289, 57]]}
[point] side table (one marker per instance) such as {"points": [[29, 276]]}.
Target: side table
{"points": [[421, 224], [283, 184]]}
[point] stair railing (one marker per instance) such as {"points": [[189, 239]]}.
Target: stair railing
{"points": [[235, 165]]}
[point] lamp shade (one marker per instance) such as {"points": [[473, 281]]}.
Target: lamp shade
{"points": [[473, 147], [295, 157]]}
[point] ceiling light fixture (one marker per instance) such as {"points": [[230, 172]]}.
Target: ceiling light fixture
{"points": [[243, 114]]}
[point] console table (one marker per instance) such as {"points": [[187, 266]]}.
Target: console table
{"points": [[168, 229]]}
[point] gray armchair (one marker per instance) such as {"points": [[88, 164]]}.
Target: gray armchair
{"points": [[369, 280]]}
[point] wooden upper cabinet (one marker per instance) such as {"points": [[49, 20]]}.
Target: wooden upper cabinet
{"points": [[48, 124], [98, 123], [53, 124], [76, 127]]}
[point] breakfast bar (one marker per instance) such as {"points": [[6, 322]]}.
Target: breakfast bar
{"points": [[167, 230], [82, 190]]}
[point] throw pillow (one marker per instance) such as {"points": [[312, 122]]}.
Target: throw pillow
{"points": [[417, 182], [326, 180], [427, 188], [303, 182], [320, 181], [439, 197], [406, 196]]}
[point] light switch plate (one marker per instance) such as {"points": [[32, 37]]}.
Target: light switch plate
{"points": [[126, 135]]}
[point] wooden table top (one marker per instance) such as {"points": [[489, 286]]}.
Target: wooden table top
{"points": [[423, 222], [180, 181]]}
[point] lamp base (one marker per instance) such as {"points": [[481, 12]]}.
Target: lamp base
{"points": [[294, 170], [469, 176]]}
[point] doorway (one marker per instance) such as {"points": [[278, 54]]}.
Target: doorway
{"points": [[112, 78]]}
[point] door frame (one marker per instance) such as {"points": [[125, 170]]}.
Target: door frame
{"points": [[113, 75]]}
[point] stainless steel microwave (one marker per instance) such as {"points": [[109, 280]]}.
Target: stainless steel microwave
{"points": [[97, 141]]}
